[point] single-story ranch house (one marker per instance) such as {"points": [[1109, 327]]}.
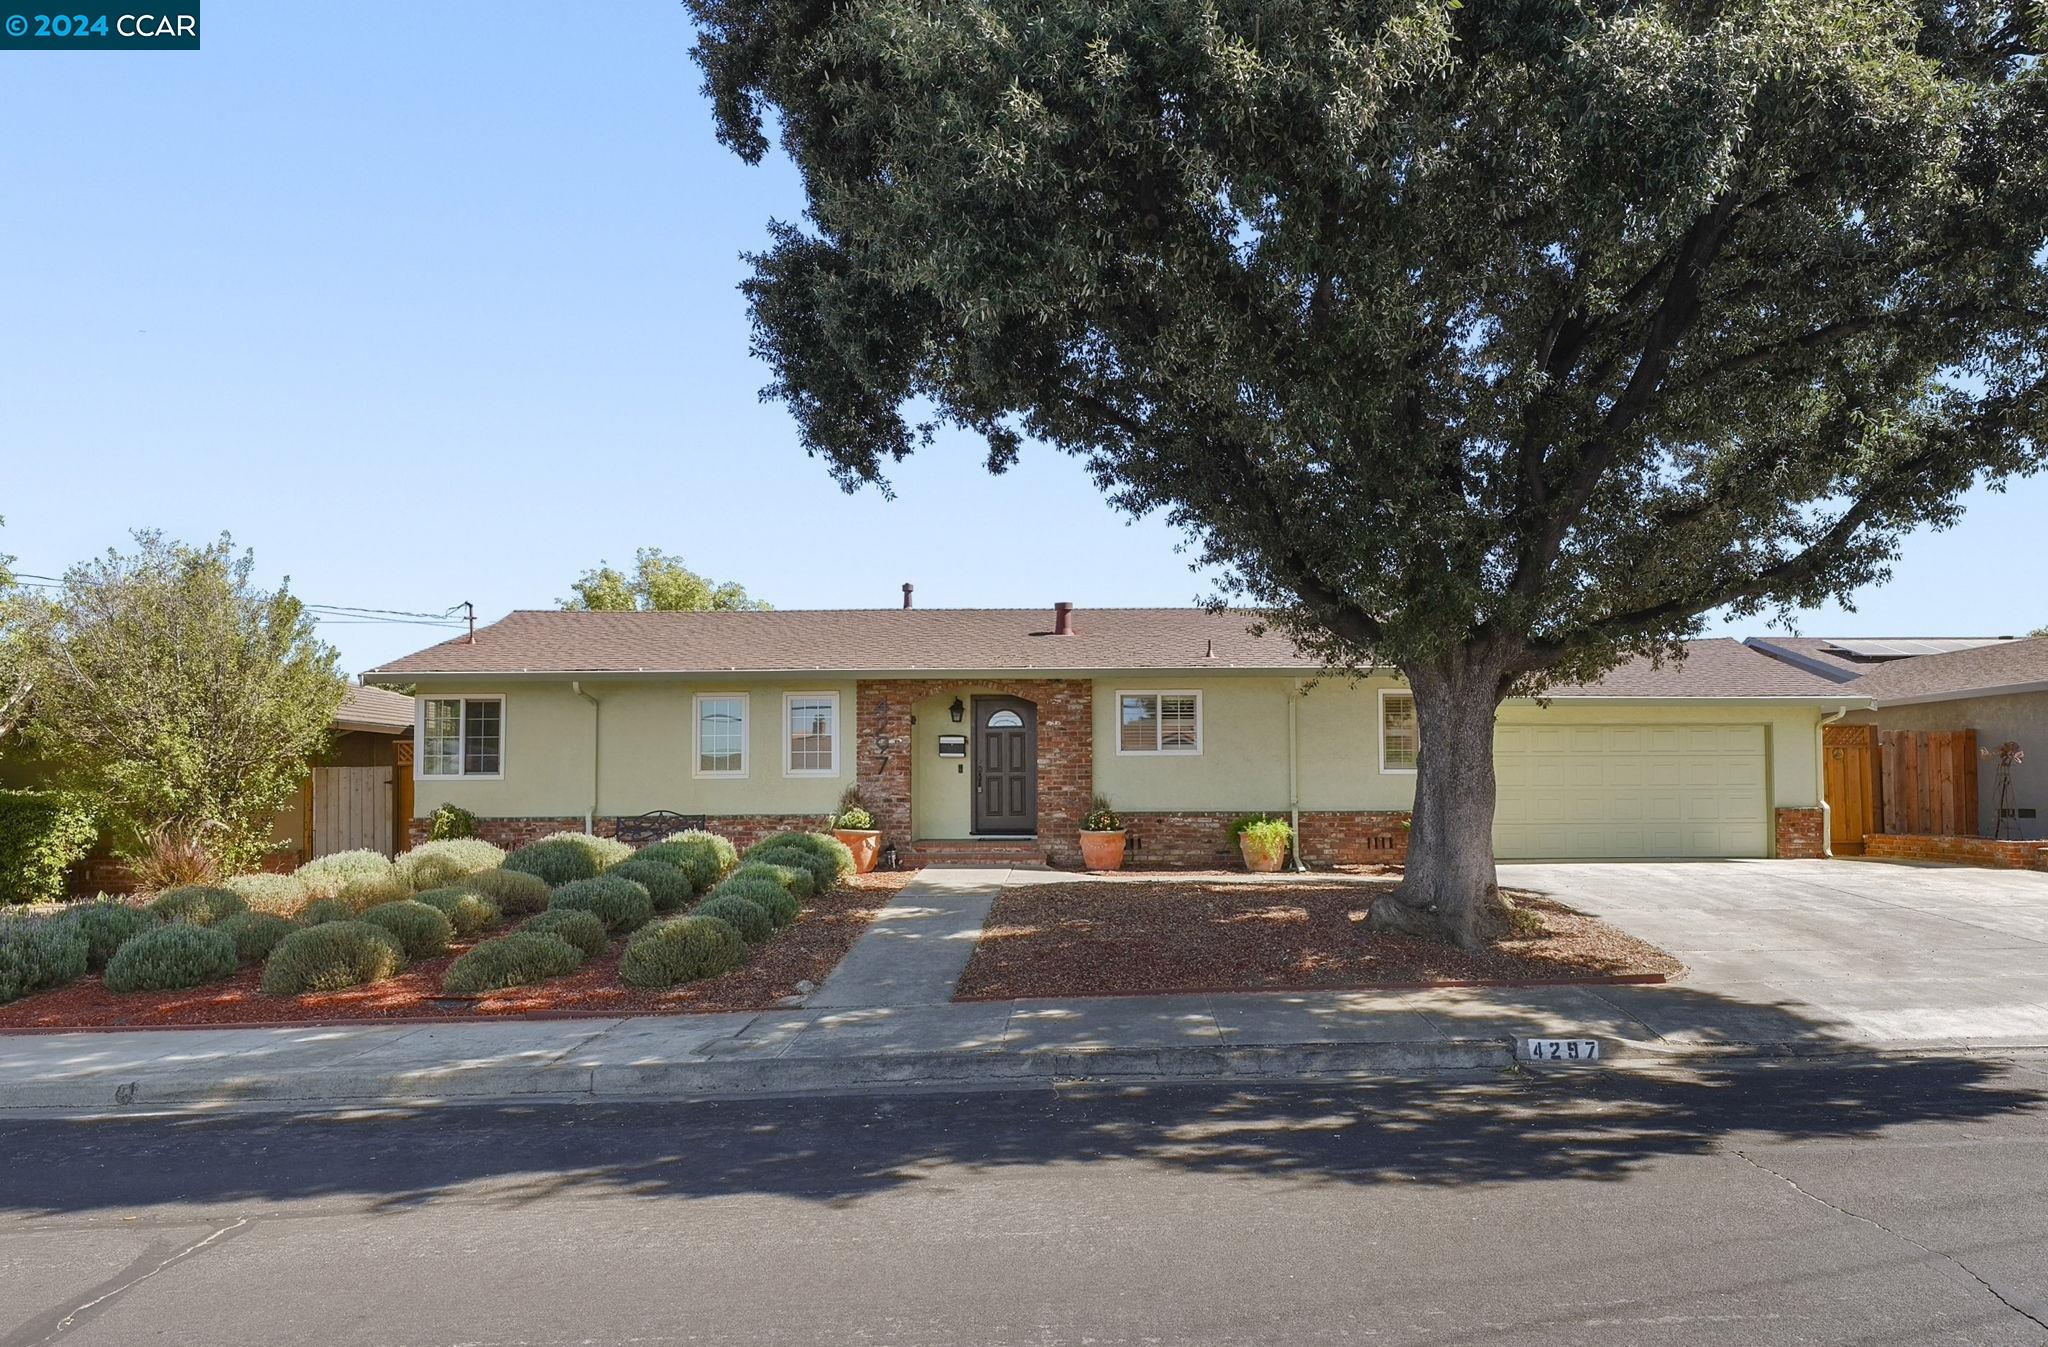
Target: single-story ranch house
{"points": [[984, 732]]}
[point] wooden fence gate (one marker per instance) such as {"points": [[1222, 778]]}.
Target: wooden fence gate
{"points": [[1852, 785], [1929, 782], [352, 808]]}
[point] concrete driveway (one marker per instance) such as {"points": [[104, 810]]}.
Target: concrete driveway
{"points": [[1864, 950]]}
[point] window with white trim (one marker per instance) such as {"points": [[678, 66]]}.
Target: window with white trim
{"points": [[1400, 735], [1159, 722], [721, 734], [811, 733], [462, 736]]}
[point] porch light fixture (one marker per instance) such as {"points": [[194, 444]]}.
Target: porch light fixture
{"points": [[956, 710]]}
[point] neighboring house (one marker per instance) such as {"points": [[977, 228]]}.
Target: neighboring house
{"points": [[359, 795], [977, 732]]}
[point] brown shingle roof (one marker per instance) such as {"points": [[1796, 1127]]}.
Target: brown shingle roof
{"points": [[376, 710], [962, 640], [2009, 666]]}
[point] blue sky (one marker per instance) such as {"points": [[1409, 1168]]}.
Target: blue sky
{"points": [[436, 302]]}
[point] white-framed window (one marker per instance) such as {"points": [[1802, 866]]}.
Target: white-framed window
{"points": [[460, 736], [719, 739], [1158, 722], [1400, 736], [810, 734]]}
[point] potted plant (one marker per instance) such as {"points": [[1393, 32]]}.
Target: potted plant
{"points": [[854, 825], [1102, 837], [1263, 841]]}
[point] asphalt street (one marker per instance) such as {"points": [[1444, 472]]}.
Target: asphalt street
{"points": [[1897, 1202]]}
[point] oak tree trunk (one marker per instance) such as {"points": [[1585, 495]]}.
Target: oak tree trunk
{"points": [[1448, 888]]}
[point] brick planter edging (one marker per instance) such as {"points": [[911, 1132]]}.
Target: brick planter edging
{"points": [[1993, 853]]}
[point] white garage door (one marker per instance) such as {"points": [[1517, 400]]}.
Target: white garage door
{"points": [[1589, 791]]}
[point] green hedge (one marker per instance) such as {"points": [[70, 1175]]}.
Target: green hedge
{"points": [[197, 904], [511, 961], [744, 915], [764, 892], [106, 923], [620, 904], [467, 912], [255, 934], [168, 958], [681, 949], [514, 891], [327, 876], [38, 953], [668, 886], [556, 861], [579, 928], [802, 885], [323, 910], [43, 833], [331, 957], [705, 857], [280, 895], [828, 849], [436, 865], [421, 929]]}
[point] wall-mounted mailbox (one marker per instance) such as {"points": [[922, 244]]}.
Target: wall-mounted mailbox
{"points": [[952, 745]]}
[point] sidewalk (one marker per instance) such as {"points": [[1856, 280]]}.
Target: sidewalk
{"points": [[883, 1018]]}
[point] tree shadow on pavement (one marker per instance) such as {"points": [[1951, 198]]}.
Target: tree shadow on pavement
{"points": [[1594, 1125]]}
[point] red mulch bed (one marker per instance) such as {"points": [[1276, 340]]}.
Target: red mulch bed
{"points": [[805, 952], [1118, 938]]}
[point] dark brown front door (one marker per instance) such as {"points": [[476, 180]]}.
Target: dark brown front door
{"points": [[1005, 766]]}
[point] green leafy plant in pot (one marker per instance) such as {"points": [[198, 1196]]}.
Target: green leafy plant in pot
{"points": [[1263, 841], [854, 826], [1102, 837]]}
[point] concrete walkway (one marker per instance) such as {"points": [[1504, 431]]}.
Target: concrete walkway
{"points": [[883, 1018]]}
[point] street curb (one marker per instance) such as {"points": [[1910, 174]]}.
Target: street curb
{"points": [[570, 1081]]}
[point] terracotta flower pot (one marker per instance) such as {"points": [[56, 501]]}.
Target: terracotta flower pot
{"points": [[1262, 857], [1103, 851], [864, 843]]}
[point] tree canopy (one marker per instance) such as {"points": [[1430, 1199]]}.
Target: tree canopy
{"points": [[660, 583], [1496, 341], [173, 692]]}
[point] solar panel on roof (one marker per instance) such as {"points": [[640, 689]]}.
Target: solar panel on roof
{"points": [[1909, 646]]}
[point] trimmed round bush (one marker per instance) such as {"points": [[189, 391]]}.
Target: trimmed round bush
{"points": [[744, 915], [436, 865], [705, 857], [824, 846], [667, 885], [107, 923], [511, 961], [255, 934], [555, 861], [169, 957], [37, 953], [467, 912], [799, 881], [579, 928], [620, 904], [323, 910], [604, 851], [363, 894], [514, 891], [421, 929], [763, 892], [331, 957], [681, 949], [327, 876], [282, 895], [819, 868], [197, 905]]}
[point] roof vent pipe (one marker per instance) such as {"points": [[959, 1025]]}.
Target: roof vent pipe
{"points": [[1063, 619], [906, 593], [1211, 652]]}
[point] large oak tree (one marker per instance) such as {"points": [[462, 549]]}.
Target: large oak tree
{"points": [[1494, 341]]}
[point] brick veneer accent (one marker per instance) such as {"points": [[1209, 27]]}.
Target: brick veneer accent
{"points": [[1993, 853], [1202, 838], [742, 830], [1802, 834], [1066, 751]]}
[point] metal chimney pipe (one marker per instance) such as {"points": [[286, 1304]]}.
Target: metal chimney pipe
{"points": [[906, 593], [1063, 619]]}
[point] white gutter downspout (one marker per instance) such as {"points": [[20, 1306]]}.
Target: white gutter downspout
{"points": [[1294, 770], [1820, 781], [596, 752]]}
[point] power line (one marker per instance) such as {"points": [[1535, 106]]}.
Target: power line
{"points": [[327, 614]]}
